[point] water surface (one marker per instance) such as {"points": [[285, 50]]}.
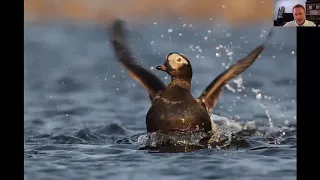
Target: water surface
{"points": [[84, 114]]}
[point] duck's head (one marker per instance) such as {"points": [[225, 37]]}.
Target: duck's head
{"points": [[177, 65]]}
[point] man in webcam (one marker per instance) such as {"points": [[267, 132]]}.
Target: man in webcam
{"points": [[299, 15]]}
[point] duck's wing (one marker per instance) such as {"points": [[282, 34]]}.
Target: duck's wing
{"points": [[119, 43], [211, 94]]}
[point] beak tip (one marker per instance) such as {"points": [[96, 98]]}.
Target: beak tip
{"points": [[161, 68]]}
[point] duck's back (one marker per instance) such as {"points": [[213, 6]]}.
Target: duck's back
{"points": [[177, 110]]}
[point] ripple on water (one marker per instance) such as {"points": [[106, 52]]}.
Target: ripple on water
{"points": [[84, 114], [66, 84]]}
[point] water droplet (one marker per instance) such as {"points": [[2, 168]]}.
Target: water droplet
{"points": [[258, 96], [230, 88], [229, 53]]}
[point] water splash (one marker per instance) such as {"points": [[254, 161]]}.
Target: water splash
{"points": [[264, 106]]}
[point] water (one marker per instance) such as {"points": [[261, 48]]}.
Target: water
{"points": [[85, 117]]}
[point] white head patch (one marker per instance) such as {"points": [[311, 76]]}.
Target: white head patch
{"points": [[176, 60]]}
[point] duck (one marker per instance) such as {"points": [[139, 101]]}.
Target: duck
{"points": [[173, 108]]}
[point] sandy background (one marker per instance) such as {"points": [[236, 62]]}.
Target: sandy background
{"points": [[235, 12]]}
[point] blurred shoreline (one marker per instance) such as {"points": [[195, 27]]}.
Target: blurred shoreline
{"points": [[233, 12]]}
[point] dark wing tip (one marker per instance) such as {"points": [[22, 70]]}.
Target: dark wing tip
{"points": [[271, 32], [118, 30], [269, 35], [118, 23]]}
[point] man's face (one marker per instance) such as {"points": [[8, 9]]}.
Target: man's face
{"points": [[299, 15]]}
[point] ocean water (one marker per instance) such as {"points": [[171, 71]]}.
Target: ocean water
{"points": [[84, 116]]}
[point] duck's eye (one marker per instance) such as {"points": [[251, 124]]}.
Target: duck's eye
{"points": [[178, 59]]}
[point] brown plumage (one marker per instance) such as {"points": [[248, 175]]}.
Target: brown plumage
{"points": [[173, 107]]}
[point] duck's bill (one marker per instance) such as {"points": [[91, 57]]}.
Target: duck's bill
{"points": [[161, 68]]}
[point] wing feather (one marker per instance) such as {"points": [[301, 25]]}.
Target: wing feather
{"points": [[211, 94], [145, 78]]}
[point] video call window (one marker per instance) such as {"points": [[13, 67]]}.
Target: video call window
{"points": [[297, 13]]}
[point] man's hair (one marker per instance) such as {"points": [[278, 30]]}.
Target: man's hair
{"points": [[298, 6]]}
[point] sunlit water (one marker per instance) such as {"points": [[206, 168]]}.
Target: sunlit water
{"points": [[85, 117]]}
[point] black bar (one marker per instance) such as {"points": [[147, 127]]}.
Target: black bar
{"points": [[308, 92]]}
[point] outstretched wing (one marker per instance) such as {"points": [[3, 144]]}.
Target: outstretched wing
{"points": [[211, 94], [120, 45]]}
